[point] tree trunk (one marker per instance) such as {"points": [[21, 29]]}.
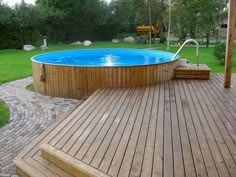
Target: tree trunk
{"points": [[207, 40]]}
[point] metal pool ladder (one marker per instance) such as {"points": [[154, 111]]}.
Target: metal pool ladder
{"points": [[187, 41]]}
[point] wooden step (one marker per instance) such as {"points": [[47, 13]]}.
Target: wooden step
{"points": [[26, 170], [68, 163], [38, 167], [192, 71]]}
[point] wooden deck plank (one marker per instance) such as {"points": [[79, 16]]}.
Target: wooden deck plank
{"points": [[226, 96], [229, 94], [115, 131], [227, 147], [202, 131], [140, 148], [150, 144], [132, 144], [67, 135], [90, 120], [215, 125], [168, 148], [108, 140], [99, 127], [158, 149], [65, 132], [108, 156], [220, 108], [115, 118], [196, 151], [189, 166], [177, 148], [181, 128], [228, 112]]}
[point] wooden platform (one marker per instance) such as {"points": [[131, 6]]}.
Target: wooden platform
{"points": [[192, 71], [180, 128]]}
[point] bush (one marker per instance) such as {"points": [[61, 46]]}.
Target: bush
{"points": [[219, 52]]}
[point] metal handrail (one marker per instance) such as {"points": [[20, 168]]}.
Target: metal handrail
{"points": [[197, 46]]}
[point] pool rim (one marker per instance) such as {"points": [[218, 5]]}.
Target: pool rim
{"points": [[46, 63]]}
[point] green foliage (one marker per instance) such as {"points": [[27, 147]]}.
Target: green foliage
{"points": [[158, 10], [123, 35], [19, 25], [198, 18], [96, 20], [4, 114], [72, 20], [219, 52]]}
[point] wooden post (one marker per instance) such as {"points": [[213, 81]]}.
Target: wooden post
{"points": [[169, 25], [230, 44], [150, 23]]}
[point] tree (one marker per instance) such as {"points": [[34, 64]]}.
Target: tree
{"points": [[54, 15], [28, 20], [209, 13], [196, 17], [121, 16], [19, 25], [6, 26], [184, 18], [78, 19]]}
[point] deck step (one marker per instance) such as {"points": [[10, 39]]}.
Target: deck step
{"points": [[68, 163], [191, 71], [26, 170], [38, 167]]}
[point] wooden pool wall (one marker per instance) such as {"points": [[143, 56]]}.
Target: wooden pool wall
{"points": [[79, 82]]}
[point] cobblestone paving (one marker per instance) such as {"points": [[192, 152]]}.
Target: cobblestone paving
{"points": [[30, 115]]}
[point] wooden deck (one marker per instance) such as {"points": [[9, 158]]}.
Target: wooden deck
{"points": [[180, 128]]}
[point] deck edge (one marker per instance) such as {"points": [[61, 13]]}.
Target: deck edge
{"points": [[68, 163], [25, 170]]}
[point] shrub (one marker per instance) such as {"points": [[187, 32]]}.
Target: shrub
{"points": [[219, 52]]}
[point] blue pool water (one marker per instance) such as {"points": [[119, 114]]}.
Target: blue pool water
{"points": [[105, 57]]}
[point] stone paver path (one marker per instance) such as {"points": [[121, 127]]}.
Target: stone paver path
{"points": [[30, 114]]}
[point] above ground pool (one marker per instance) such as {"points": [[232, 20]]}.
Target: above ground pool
{"points": [[105, 57], [78, 73]]}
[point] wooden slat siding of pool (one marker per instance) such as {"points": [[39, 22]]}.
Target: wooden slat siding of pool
{"points": [[79, 82], [36, 79], [181, 128]]}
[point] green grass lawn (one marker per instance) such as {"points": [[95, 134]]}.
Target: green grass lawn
{"points": [[16, 64], [205, 57], [4, 114]]}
